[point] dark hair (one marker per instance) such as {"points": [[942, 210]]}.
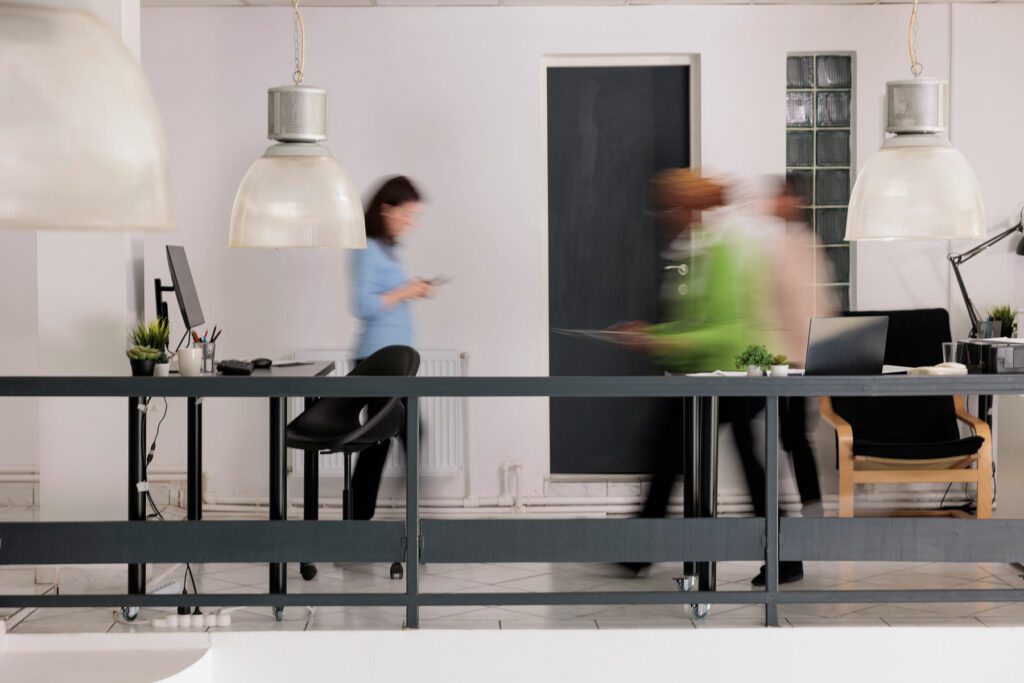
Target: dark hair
{"points": [[395, 191]]}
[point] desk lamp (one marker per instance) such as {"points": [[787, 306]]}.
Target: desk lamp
{"points": [[956, 260]]}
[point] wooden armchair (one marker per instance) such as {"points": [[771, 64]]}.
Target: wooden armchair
{"points": [[889, 440]]}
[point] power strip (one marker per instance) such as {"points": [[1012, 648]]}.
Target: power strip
{"points": [[192, 621]]}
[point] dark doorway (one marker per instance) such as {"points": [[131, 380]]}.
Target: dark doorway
{"points": [[609, 130]]}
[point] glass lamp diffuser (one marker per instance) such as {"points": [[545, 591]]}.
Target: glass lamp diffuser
{"points": [[81, 145]]}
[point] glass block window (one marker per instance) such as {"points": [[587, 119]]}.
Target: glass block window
{"points": [[819, 156]]}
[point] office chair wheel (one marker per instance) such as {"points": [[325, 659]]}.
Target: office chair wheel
{"points": [[279, 614], [396, 571], [130, 613], [700, 611], [308, 571]]}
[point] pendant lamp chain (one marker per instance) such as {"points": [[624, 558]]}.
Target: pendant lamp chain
{"points": [[299, 34], [916, 67]]}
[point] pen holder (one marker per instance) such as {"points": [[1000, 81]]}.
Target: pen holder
{"points": [[209, 357]]}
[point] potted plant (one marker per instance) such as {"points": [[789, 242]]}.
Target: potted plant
{"points": [[162, 368], [780, 366], [1007, 319], [755, 359], [149, 346]]}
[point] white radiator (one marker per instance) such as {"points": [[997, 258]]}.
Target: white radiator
{"points": [[443, 447]]}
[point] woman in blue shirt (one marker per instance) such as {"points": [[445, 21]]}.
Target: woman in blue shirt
{"points": [[382, 293]]}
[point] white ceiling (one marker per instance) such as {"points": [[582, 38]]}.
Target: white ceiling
{"points": [[549, 3]]}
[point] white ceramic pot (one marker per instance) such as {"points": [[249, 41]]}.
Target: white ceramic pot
{"points": [[754, 371], [190, 362], [780, 371], [161, 369]]}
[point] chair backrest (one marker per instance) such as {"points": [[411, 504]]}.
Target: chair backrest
{"points": [[391, 361], [915, 338]]}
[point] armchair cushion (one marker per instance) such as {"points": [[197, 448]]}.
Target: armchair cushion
{"points": [[919, 451]]}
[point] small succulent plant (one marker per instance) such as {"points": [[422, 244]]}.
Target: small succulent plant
{"points": [[755, 355], [154, 334], [138, 352]]}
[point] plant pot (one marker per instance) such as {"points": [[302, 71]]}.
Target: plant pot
{"points": [[780, 371], [755, 371], [162, 370], [141, 368]]}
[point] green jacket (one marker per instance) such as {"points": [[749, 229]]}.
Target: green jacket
{"points": [[714, 304]]}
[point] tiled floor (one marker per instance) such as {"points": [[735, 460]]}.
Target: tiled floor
{"points": [[533, 577]]}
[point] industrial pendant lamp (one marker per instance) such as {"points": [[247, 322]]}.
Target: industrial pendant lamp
{"points": [[917, 186], [296, 194], [81, 145]]}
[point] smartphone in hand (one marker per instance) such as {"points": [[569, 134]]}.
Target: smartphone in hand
{"points": [[439, 280]]}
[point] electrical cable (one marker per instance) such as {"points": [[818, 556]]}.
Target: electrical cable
{"points": [[916, 67]]}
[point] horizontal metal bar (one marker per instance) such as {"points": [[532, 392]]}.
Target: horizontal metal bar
{"points": [[208, 600], [902, 539], [213, 541], [595, 598], [638, 386], [910, 595], [592, 540]]}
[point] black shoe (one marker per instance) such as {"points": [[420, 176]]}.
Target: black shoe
{"points": [[788, 573], [638, 570]]}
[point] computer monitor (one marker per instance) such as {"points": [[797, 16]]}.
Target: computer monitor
{"points": [[847, 346], [184, 287]]}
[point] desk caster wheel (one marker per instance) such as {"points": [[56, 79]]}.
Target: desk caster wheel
{"points": [[130, 613], [700, 611], [308, 571], [397, 572], [279, 614]]}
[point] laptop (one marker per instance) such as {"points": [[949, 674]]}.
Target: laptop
{"points": [[847, 346]]}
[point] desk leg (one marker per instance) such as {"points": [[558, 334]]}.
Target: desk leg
{"points": [[708, 464], [412, 522], [771, 462], [278, 496], [194, 459], [691, 472], [136, 498], [310, 495]]}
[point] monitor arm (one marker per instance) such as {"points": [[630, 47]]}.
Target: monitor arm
{"points": [[956, 260], [161, 305]]}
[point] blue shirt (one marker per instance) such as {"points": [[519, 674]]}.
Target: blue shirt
{"points": [[375, 272]]}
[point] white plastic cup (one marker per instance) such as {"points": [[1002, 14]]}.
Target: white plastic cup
{"points": [[190, 362]]}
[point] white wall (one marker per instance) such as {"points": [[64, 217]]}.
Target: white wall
{"points": [[451, 96]]}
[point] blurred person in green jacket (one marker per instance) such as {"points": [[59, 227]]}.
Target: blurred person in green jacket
{"points": [[716, 300]]}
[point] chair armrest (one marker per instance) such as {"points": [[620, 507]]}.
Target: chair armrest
{"points": [[979, 426], [844, 431]]}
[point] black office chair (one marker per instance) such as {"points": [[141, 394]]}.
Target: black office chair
{"points": [[333, 425]]}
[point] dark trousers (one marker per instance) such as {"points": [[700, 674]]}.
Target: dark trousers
{"points": [[740, 412], [668, 439]]}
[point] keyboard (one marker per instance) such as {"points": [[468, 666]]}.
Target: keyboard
{"points": [[235, 367]]}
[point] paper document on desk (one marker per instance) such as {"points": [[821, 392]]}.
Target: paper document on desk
{"points": [[612, 336]]}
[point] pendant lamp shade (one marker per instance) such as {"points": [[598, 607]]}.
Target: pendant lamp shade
{"points": [[297, 195], [81, 145], [917, 186]]}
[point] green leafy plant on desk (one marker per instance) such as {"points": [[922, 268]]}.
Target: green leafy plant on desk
{"points": [[149, 345], [758, 356], [1006, 316]]}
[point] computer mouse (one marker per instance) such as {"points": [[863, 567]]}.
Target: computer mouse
{"points": [[262, 363]]}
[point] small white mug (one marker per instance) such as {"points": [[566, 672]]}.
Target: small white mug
{"points": [[190, 362]]}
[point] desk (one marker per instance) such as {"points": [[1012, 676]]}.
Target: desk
{"points": [[137, 450]]}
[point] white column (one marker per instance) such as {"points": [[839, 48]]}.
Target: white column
{"points": [[89, 291]]}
